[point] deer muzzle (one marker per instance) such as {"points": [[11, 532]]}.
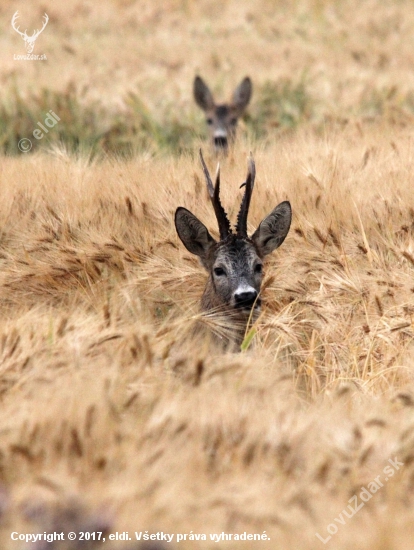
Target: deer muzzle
{"points": [[220, 140], [246, 298]]}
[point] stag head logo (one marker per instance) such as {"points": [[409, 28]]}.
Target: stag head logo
{"points": [[29, 40]]}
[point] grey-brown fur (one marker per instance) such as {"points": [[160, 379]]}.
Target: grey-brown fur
{"points": [[222, 118], [235, 263]]}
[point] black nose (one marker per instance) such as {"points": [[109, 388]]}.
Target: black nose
{"points": [[220, 142], [246, 299]]}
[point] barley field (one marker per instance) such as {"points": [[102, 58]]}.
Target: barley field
{"points": [[114, 416]]}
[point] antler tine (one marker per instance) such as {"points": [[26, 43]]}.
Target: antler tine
{"points": [[210, 187], [14, 20], [241, 227], [45, 22], [214, 192], [251, 168]]}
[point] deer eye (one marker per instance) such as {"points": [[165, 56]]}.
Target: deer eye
{"points": [[219, 271], [209, 121], [258, 268]]}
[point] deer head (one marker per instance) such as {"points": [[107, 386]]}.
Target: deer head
{"points": [[222, 119], [235, 262], [29, 40]]}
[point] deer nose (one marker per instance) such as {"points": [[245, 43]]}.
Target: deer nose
{"points": [[220, 142], [245, 298]]}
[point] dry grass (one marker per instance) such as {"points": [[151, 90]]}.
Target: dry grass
{"points": [[113, 416], [106, 398]]}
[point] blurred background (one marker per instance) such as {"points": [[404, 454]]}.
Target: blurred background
{"points": [[119, 73]]}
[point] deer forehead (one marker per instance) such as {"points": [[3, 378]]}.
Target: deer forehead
{"points": [[223, 112], [237, 253]]}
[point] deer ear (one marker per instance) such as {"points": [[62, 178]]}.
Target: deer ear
{"points": [[242, 94], [273, 229], [193, 233], [202, 94]]}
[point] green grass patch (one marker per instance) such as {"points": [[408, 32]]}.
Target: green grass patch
{"points": [[91, 127], [283, 104]]}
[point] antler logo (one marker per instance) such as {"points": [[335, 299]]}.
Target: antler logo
{"points": [[29, 40]]}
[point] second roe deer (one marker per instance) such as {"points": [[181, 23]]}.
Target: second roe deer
{"points": [[222, 118]]}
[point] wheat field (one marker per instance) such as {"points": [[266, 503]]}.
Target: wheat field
{"points": [[114, 416]]}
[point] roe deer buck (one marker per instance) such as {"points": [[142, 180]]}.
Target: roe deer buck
{"points": [[235, 262], [222, 119]]}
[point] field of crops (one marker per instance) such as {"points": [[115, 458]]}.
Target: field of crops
{"points": [[115, 414]]}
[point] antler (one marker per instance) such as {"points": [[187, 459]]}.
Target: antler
{"points": [[36, 32], [214, 192], [241, 227], [14, 19]]}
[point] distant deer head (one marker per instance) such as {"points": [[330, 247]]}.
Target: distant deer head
{"points": [[29, 40], [222, 119], [235, 262]]}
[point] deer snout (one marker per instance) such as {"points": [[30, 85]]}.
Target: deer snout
{"points": [[246, 298], [220, 141], [220, 137]]}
